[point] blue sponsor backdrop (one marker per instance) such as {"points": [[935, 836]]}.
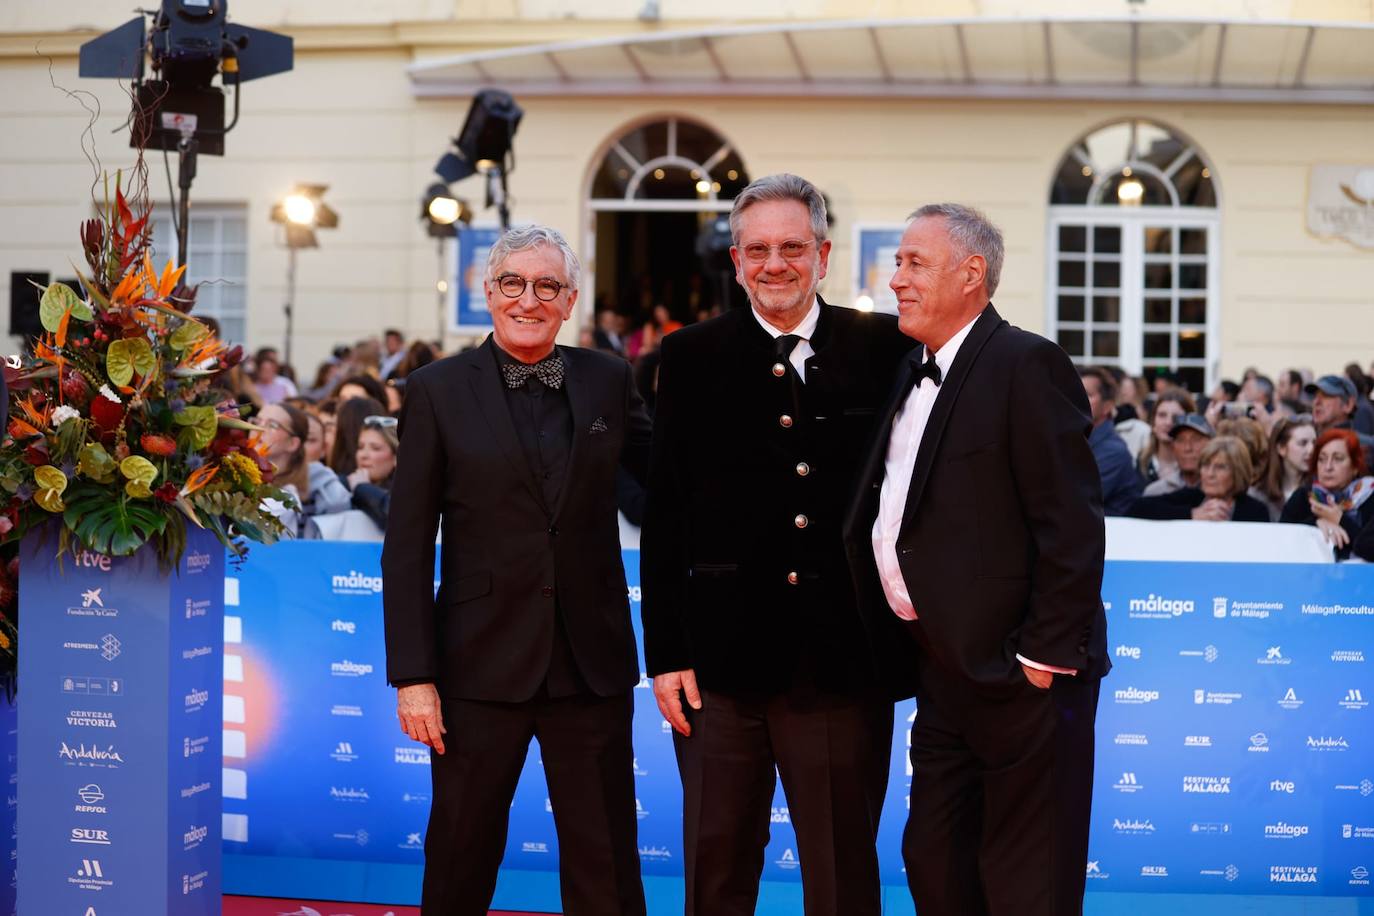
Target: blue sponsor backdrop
{"points": [[1250, 791], [119, 732]]}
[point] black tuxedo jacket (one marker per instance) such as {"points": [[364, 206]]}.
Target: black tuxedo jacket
{"points": [[733, 587], [506, 556], [1002, 539]]}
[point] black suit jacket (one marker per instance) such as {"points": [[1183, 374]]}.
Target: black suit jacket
{"points": [[733, 588], [506, 557], [1002, 539]]}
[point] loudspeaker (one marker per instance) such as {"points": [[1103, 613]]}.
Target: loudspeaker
{"points": [[24, 298]]}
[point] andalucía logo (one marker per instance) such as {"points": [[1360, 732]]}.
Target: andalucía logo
{"points": [[348, 794], [788, 860], [84, 755], [1133, 826], [1327, 743]]}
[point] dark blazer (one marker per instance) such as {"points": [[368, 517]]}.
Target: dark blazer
{"points": [[1002, 540], [1179, 506], [506, 557], [733, 587]]}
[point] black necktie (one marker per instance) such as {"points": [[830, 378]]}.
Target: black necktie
{"points": [[928, 369], [782, 352], [548, 370]]}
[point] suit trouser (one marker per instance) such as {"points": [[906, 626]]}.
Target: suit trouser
{"points": [[588, 761], [1001, 794], [833, 754]]}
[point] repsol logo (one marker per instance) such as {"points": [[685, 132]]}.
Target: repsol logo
{"points": [[1157, 604]]}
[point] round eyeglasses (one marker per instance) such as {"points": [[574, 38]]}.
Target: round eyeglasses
{"points": [[546, 289]]}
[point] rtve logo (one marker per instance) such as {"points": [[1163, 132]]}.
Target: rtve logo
{"points": [[1286, 786], [1132, 652]]}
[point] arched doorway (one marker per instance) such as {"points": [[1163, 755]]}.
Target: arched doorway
{"points": [[658, 200], [1133, 251]]}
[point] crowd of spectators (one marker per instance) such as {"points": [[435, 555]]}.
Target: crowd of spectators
{"points": [[333, 442], [1299, 451]]}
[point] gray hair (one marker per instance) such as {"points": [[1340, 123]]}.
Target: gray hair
{"points": [[781, 187], [527, 237], [970, 232]]}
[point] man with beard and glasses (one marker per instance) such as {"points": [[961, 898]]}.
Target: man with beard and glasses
{"points": [[750, 626]]}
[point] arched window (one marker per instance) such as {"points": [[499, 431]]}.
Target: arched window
{"points": [[1133, 242], [660, 239], [673, 159]]}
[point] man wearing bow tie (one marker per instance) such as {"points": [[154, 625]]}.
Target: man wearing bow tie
{"points": [[978, 524], [750, 625], [511, 450]]}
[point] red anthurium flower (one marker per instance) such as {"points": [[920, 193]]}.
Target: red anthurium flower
{"points": [[107, 414], [168, 493], [37, 454], [158, 444]]}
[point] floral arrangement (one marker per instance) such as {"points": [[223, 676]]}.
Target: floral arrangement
{"points": [[117, 429]]}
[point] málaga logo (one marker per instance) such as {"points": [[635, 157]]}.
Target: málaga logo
{"points": [[1134, 696], [1157, 607], [356, 583]]}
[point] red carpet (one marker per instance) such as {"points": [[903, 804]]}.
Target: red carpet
{"points": [[267, 906]]}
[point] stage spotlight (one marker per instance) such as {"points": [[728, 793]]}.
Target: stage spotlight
{"points": [[441, 211], [190, 43], [299, 209], [485, 145], [301, 212]]}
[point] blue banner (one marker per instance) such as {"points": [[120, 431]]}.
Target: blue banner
{"points": [[470, 301], [1261, 786], [119, 731]]}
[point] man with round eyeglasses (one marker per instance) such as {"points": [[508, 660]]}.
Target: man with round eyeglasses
{"points": [[750, 623], [511, 450]]}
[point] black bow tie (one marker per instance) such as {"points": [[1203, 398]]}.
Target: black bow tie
{"points": [[928, 369], [548, 370]]}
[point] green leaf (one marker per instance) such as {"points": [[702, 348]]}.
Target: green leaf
{"points": [[187, 334], [127, 356], [201, 424], [58, 299], [96, 463]]}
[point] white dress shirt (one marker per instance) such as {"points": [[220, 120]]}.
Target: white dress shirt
{"points": [[908, 428], [802, 351]]}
